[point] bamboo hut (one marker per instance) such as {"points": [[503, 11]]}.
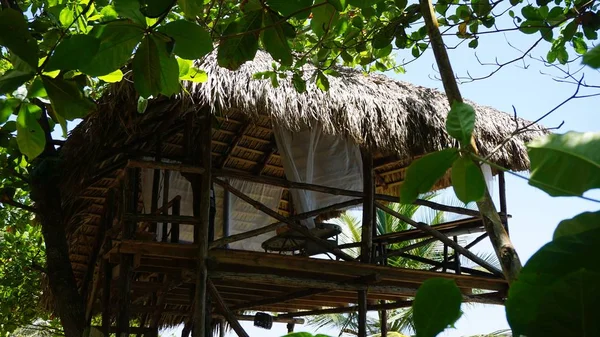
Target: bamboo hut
{"points": [[216, 201]]}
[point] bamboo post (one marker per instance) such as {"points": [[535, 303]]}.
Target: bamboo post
{"points": [[366, 248], [201, 194], [126, 265], [502, 196], [505, 251], [176, 210], [362, 313]]}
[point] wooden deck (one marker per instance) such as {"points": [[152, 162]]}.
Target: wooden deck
{"points": [[282, 283]]}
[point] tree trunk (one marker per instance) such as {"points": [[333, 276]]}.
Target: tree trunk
{"points": [[67, 300]]}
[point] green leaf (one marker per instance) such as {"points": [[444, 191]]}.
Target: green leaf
{"points": [[191, 41], [117, 41], [109, 13], [67, 99], [36, 89], [322, 81], [289, 7], [481, 7], [15, 36], [154, 70], [363, 3], [423, 173], [467, 180], [580, 46], [557, 291], [7, 108], [324, 18], [299, 83], [187, 72], [275, 40], [73, 52], [12, 80], [567, 164], [340, 5], [579, 224], [130, 9], [461, 122], [30, 135], [436, 306], [114, 77], [155, 8], [592, 58], [191, 8], [234, 51]]}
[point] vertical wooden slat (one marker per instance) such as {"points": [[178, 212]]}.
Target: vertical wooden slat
{"points": [[165, 201], [362, 313], [502, 196], [126, 263], [456, 258], [107, 267], [176, 210], [368, 207], [384, 321], [201, 194], [226, 214]]}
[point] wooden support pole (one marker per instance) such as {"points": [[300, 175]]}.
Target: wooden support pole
{"points": [[426, 228], [154, 199], [226, 217], [165, 208], [293, 225], [235, 324], [456, 258], [362, 313], [269, 228], [106, 314], [201, 194], [175, 211], [368, 212], [131, 197], [502, 197]]}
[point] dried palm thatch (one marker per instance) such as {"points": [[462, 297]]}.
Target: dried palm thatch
{"points": [[397, 121]]}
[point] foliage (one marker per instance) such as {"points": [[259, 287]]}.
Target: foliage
{"points": [[21, 258]]}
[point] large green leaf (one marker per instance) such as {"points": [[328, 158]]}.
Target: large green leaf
{"points": [[155, 8], [7, 108], [275, 40], [30, 135], [461, 122], [592, 58], [191, 8], [74, 52], [436, 306], [325, 17], [424, 172], [130, 9], [15, 36], [117, 41], [154, 70], [567, 164], [67, 99], [581, 223], [467, 180], [557, 291], [191, 41], [240, 46], [289, 7], [340, 5], [12, 80]]}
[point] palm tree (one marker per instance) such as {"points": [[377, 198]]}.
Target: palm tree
{"points": [[398, 320]]}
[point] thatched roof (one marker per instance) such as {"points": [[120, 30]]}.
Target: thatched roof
{"points": [[396, 120]]}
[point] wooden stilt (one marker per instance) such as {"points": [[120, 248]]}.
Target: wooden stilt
{"points": [[165, 208], [235, 324], [384, 321], [456, 258], [290, 327], [126, 265], [106, 319], [225, 216], [362, 313], [201, 195], [502, 197], [368, 212]]}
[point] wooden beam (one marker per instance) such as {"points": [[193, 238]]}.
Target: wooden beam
{"points": [[280, 299], [426, 228], [293, 225], [396, 252], [368, 214], [235, 142], [267, 156], [183, 168], [255, 232], [165, 218], [231, 318], [376, 307]]}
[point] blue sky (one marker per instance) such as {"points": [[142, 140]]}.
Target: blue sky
{"points": [[533, 93]]}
